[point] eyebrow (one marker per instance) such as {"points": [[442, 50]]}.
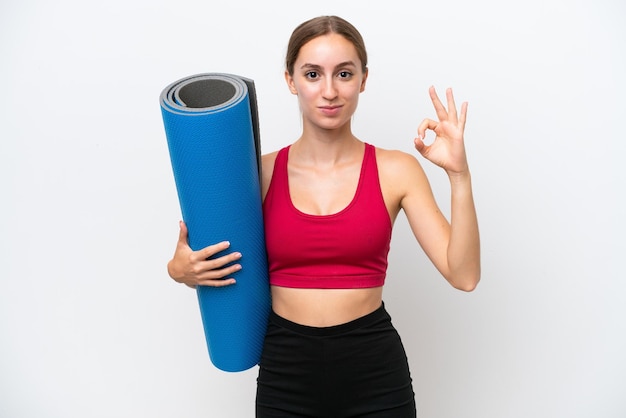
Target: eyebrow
{"points": [[315, 66]]}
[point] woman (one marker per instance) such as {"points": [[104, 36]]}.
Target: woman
{"points": [[329, 204]]}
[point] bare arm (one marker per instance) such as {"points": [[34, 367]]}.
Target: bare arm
{"points": [[201, 268], [454, 246], [196, 268], [464, 244]]}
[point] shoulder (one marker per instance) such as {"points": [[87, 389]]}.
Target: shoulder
{"points": [[401, 175], [396, 164], [267, 169], [267, 160]]}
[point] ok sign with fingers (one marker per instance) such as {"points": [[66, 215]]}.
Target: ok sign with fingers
{"points": [[448, 149]]}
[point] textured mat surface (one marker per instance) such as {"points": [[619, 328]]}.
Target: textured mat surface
{"points": [[211, 125]]}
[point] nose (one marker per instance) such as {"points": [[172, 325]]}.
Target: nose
{"points": [[329, 91]]}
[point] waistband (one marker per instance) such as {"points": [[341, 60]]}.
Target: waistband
{"points": [[379, 314]]}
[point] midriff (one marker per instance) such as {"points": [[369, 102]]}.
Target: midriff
{"points": [[325, 307]]}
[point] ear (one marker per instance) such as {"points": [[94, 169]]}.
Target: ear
{"points": [[290, 83], [364, 80]]}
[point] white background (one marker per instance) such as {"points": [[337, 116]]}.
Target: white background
{"points": [[92, 326]]}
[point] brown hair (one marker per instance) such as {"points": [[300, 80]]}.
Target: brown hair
{"points": [[319, 26]]}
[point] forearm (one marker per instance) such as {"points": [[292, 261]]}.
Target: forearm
{"points": [[464, 245]]}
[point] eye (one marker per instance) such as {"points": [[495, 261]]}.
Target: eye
{"points": [[345, 74], [311, 75]]}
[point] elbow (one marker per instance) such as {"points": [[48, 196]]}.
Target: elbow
{"points": [[466, 283], [467, 287]]}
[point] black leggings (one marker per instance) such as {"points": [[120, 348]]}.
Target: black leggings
{"points": [[358, 369]]}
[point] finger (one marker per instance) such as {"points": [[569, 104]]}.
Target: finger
{"points": [[426, 124], [220, 262], [221, 275], [217, 283], [211, 250], [463, 116], [420, 146], [183, 233], [452, 116], [439, 108]]}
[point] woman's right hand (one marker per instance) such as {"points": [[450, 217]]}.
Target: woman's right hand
{"points": [[196, 268]]}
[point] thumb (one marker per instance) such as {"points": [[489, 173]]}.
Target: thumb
{"points": [[183, 233], [420, 146]]}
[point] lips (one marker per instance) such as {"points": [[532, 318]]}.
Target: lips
{"points": [[330, 110]]}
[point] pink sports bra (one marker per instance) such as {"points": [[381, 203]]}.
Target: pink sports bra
{"points": [[345, 250]]}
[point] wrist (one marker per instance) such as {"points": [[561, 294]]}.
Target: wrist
{"points": [[459, 177]]}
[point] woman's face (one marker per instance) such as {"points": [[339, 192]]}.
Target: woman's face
{"points": [[327, 78]]}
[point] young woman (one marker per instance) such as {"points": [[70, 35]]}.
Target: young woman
{"points": [[330, 201]]}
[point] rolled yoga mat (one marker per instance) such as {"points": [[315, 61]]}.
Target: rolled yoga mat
{"points": [[211, 125]]}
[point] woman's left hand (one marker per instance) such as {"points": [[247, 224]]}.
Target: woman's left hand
{"points": [[448, 149]]}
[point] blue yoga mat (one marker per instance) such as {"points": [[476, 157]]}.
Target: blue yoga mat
{"points": [[211, 125]]}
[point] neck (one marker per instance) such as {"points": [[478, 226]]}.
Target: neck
{"points": [[326, 146], [320, 151]]}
